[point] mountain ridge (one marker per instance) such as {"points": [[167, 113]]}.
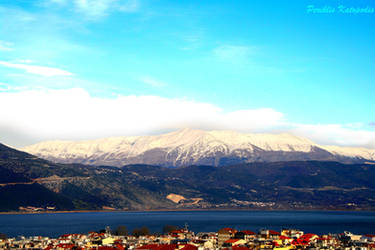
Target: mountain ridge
{"points": [[30, 181], [190, 146]]}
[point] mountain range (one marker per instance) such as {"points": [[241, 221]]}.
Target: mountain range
{"points": [[187, 169], [196, 147], [26, 180]]}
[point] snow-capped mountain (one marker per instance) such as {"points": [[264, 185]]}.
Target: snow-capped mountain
{"points": [[189, 146]]}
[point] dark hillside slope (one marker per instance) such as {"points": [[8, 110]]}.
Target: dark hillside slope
{"points": [[287, 184], [22, 195], [29, 181]]}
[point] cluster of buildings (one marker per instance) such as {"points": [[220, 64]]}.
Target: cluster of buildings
{"points": [[36, 209], [224, 239]]}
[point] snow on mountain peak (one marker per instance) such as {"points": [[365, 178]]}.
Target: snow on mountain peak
{"points": [[352, 152], [185, 146]]}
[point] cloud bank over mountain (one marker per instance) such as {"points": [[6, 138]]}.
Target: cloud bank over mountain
{"points": [[74, 114]]}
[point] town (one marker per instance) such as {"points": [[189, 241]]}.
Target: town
{"points": [[184, 239]]}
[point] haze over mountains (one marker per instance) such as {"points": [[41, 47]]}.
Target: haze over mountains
{"points": [[195, 147]]}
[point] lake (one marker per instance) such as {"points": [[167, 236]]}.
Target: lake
{"points": [[320, 222]]}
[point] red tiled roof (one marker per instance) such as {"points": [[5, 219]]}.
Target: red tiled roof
{"points": [[231, 241], [227, 229], [106, 248], [149, 246], [167, 247], [65, 235], [119, 247], [248, 232], [180, 231], [307, 237], [240, 248], [158, 247], [189, 247], [66, 246], [282, 237], [325, 238], [272, 232], [300, 242]]}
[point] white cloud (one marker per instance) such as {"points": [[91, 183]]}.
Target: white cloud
{"points": [[58, 1], [129, 6], [93, 7], [152, 82], [192, 40], [3, 86], [37, 70], [337, 134], [74, 114], [24, 61], [6, 46], [99, 8], [233, 53], [47, 114]]}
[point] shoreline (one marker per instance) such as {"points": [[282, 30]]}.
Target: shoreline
{"points": [[185, 210]]}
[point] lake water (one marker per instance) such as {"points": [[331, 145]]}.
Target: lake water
{"points": [[319, 222]]}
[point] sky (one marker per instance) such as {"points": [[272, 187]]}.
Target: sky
{"points": [[85, 69]]}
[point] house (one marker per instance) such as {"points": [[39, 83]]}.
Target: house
{"points": [[225, 234], [249, 235], [269, 234], [273, 234], [245, 235], [285, 240], [369, 237], [305, 240], [208, 244], [108, 241], [179, 234], [234, 242], [292, 233], [63, 246]]}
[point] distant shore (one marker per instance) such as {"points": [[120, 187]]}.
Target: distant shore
{"points": [[181, 210]]}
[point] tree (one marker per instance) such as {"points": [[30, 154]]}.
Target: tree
{"points": [[141, 231], [169, 228], [121, 230], [3, 236]]}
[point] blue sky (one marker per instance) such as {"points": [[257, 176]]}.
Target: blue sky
{"points": [[300, 71]]}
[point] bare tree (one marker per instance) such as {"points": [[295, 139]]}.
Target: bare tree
{"points": [[121, 230]]}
